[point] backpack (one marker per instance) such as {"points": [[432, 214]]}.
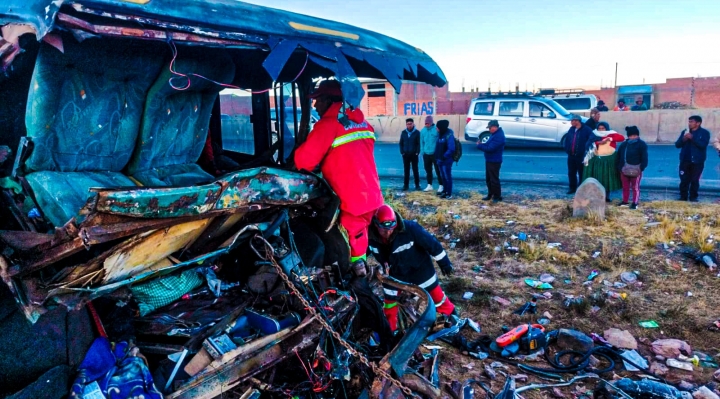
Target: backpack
{"points": [[458, 150]]}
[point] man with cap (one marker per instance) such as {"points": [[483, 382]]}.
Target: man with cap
{"points": [[575, 143], [410, 149], [493, 149], [621, 106], [601, 106], [428, 140], [693, 143], [639, 106], [407, 252], [444, 151], [344, 152]]}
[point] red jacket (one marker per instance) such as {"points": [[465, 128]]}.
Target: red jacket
{"points": [[346, 158]]}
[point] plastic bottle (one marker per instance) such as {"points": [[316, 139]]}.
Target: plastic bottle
{"points": [[616, 295], [643, 389]]}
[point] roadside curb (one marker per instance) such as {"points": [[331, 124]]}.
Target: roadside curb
{"points": [[650, 183]]}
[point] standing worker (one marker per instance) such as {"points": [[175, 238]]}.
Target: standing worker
{"points": [[575, 143], [693, 143], [444, 151], [408, 250], [428, 140], [410, 149], [345, 155], [493, 149]]}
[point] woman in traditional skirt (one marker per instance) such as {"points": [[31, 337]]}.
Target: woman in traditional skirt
{"points": [[601, 157]]}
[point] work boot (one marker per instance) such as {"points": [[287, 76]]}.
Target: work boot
{"points": [[428, 188], [359, 267], [487, 198]]}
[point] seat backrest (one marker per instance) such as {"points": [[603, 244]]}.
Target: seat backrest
{"points": [[175, 122], [85, 105]]}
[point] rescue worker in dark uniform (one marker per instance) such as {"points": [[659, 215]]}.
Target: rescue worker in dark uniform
{"points": [[407, 250]]}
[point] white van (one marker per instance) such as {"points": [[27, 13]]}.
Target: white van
{"points": [[572, 100]]}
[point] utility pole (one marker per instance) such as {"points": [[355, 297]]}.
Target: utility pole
{"points": [[616, 74]]}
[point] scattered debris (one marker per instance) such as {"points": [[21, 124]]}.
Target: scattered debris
{"points": [[592, 275], [649, 324], [501, 301], [490, 373], [572, 339], [620, 338], [634, 357], [704, 393], [546, 278], [538, 284], [659, 369], [552, 245], [556, 392], [467, 295], [679, 364], [547, 315], [671, 348], [686, 386]]}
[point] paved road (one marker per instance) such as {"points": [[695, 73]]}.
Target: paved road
{"points": [[549, 166]]}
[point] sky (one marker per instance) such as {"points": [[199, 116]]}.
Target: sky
{"points": [[542, 43]]}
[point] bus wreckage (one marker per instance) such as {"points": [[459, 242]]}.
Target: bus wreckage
{"points": [[155, 238]]}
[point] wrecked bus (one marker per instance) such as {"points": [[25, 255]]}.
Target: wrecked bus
{"points": [[155, 239]]}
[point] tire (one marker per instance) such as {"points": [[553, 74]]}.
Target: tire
{"points": [[562, 141], [484, 137]]}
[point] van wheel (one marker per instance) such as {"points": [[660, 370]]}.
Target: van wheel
{"points": [[484, 137]]}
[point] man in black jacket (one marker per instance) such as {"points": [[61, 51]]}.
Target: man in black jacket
{"points": [[409, 149], [693, 144], [576, 141], [408, 251], [592, 122]]}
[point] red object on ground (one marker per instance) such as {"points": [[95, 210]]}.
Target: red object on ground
{"points": [[515, 334]]}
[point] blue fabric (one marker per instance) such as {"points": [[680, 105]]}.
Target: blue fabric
{"points": [[84, 106], [174, 176], [494, 147], [175, 122], [580, 138], [119, 373], [694, 150], [445, 148], [446, 174], [61, 195]]}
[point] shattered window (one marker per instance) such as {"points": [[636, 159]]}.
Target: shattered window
{"points": [[237, 130]]}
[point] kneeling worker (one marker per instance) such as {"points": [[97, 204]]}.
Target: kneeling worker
{"points": [[408, 250]]}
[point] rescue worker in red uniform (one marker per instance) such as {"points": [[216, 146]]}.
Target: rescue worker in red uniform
{"points": [[408, 250], [345, 154]]}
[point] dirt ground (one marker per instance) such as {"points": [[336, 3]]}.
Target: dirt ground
{"points": [[682, 296]]}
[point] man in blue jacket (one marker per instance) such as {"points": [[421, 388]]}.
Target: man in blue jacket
{"points": [[444, 151], [409, 149], [493, 149], [576, 141], [693, 143]]}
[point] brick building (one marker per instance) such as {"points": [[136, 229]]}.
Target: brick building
{"points": [[422, 99]]}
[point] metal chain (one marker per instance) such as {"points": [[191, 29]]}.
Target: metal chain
{"points": [[377, 370]]}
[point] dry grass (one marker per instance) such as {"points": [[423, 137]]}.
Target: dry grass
{"points": [[620, 243]]}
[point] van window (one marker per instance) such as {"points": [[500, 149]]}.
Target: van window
{"points": [[511, 108], [538, 110], [574, 104], [484, 108], [236, 128]]}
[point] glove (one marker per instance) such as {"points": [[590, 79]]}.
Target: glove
{"points": [[447, 270]]}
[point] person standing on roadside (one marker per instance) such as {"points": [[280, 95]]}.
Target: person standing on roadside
{"points": [[639, 106], [693, 143], [410, 149], [493, 149], [601, 106], [444, 151], [592, 123], [621, 106], [634, 151], [428, 140], [715, 143], [575, 143]]}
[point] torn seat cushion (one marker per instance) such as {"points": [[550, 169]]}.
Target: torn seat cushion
{"points": [[85, 105], [61, 195], [176, 119]]}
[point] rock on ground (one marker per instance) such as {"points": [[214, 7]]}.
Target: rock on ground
{"points": [[590, 199]]}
